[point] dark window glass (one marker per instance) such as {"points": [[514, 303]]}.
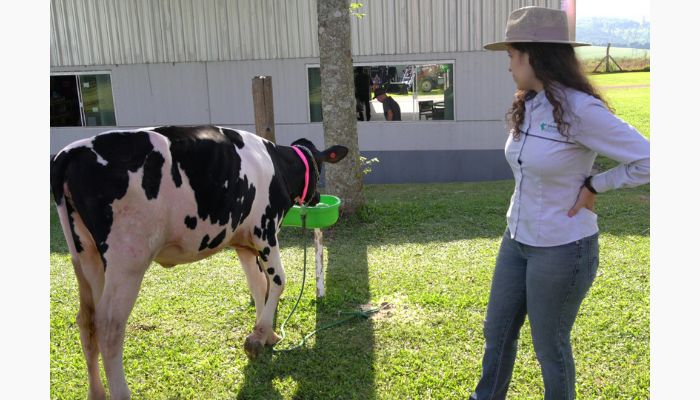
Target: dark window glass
{"points": [[98, 104], [315, 95], [65, 103], [82, 100]]}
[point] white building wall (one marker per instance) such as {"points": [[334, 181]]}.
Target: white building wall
{"points": [[220, 93]]}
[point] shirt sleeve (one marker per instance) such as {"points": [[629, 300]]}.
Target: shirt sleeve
{"points": [[601, 131]]}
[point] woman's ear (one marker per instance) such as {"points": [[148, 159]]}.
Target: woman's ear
{"points": [[332, 154]]}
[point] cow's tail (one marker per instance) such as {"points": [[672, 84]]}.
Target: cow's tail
{"points": [[65, 207], [59, 164]]}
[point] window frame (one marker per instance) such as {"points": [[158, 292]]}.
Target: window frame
{"points": [[80, 97], [390, 62]]}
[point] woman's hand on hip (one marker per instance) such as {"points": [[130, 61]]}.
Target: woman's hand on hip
{"points": [[585, 198]]}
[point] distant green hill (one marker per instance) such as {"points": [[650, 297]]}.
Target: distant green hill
{"points": [[616, 31]]}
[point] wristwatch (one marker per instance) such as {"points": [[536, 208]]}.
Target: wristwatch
{"points": [[587, 184]]}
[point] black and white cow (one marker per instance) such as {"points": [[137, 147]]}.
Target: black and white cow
{"points": [[174, 195]]}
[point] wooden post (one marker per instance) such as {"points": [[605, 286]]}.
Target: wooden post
{"points": [[318, 246], [263, 107], [615, 62], [607, 60]]}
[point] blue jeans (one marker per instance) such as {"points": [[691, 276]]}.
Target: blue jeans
{"points": [[548, 284]]}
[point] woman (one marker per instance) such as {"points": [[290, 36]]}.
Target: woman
{"points": [[549, 253]]}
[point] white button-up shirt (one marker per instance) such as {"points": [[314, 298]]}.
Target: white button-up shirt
{"points": [[550, 168]]}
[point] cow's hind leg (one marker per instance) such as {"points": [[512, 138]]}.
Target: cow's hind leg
{"points": [[122, 284], [88, 332], [258, 284], [89, 273], [257, 281], [263, 333]]}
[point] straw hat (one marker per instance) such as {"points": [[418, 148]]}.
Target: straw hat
{"points": [[535, 25]]}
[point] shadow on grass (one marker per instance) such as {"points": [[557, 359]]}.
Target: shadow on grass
{"points": [[339, 363]]}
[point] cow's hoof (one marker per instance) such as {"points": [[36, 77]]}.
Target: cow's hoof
{"points": [[272, 339], [253, 348]]}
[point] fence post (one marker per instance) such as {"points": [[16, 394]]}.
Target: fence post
{"points": [[263, 107], [318, 247]]}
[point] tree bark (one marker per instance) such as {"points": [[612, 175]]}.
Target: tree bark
{"points": [[343, 179]]}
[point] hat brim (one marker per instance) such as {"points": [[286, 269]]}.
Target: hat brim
{"points": [[502, 46]]}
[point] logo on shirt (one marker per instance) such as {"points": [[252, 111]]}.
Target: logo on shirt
{"points": [[548, 127]]}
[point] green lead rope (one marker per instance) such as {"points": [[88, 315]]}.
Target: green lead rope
{"points": [[350, 314]]}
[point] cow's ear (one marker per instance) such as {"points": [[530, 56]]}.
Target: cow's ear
{"points": [[333, 154]]}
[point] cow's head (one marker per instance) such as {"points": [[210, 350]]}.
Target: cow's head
{"points": [[332, 155]]}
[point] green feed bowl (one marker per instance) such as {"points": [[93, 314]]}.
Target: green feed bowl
{"points": [[323, 214]]}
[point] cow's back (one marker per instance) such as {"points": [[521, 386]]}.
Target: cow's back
{"points": [[182, 191]]}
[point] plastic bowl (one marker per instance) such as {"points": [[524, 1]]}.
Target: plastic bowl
{"points": [[322, 215]]}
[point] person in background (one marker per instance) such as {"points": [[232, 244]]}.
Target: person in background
{"points": [[548, 257], [376, 82], [392, 111], [362, 94]]}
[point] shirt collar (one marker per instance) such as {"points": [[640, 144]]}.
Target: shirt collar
{"points": [[534, 100], [541, 97]]}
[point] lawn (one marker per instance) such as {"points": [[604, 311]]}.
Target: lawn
{"points": [[428, 252], [621, 79]]}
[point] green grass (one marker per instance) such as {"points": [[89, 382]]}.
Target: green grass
{"points": [[428, 251], [620, 79]]}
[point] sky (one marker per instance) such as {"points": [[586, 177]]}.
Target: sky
{"points": [[630, 9]]}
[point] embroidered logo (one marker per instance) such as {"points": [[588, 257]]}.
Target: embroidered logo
{"points": [[548, 127]]}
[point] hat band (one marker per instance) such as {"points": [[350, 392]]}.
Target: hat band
{"points": [[539, 34]]}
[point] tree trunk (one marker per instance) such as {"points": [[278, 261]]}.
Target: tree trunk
{"points": [[338, 101]]}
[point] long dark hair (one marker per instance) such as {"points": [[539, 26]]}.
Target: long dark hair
{"points": [[553, 63]]}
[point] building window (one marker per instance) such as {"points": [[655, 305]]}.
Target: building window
{"points": [[422, 91], [82, 100]]}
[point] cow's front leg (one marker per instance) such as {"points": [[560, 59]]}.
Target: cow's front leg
{"points": [[263, 333]]}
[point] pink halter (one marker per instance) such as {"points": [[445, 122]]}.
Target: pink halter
{"points": [[306, 176]]}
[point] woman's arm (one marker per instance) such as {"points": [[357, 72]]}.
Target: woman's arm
{"points": [[601, 131]]}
